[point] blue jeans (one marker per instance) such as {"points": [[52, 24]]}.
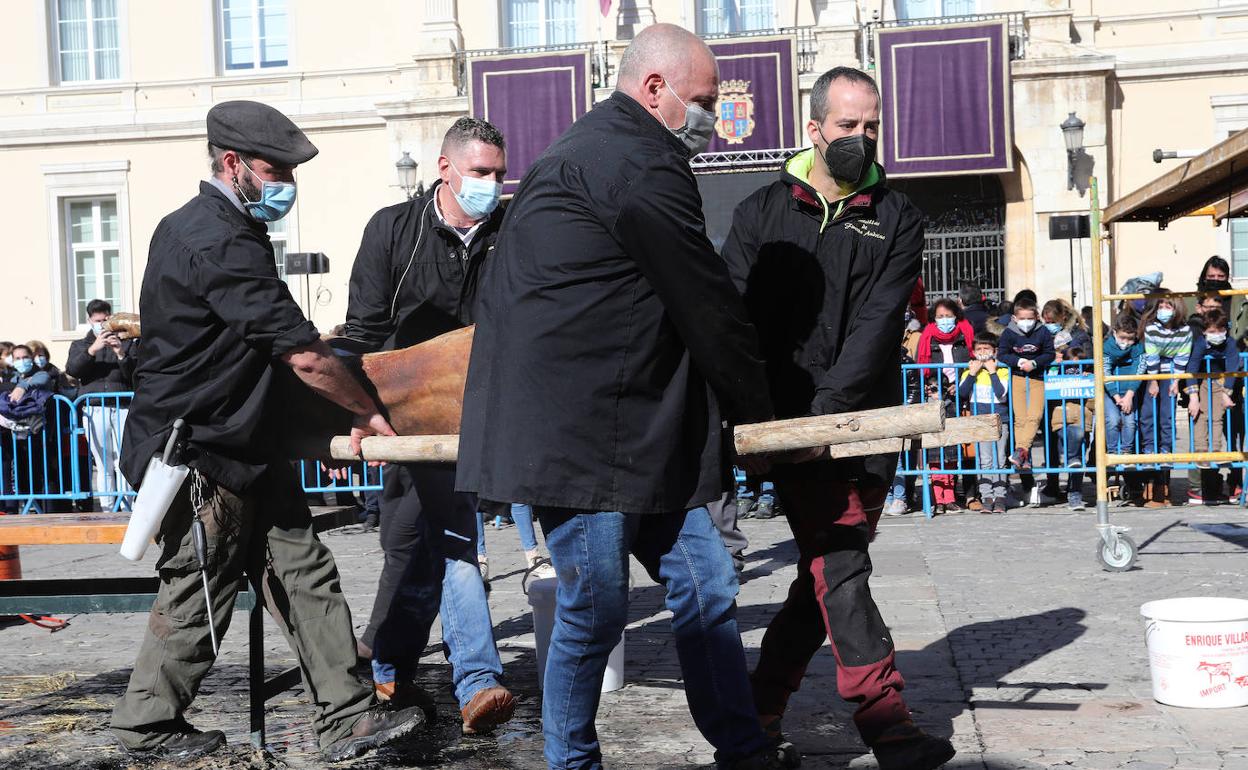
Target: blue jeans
{"points": [[430, 569], [1068, 445], [683, 552], [1157, 422], [522, 515], [1119, 427]]}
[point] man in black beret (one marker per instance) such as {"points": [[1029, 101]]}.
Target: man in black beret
{"points": [[221, 332]]}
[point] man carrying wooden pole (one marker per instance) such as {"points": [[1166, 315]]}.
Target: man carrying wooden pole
{"points": [[827, 257]]}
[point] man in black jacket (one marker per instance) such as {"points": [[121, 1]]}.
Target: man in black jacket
{"points": [[102, 363], [973, 305], [610, 344], [415, 277], [221, 332], [827, 258]]}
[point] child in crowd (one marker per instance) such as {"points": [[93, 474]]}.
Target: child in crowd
{"points": [[984, 389], [899, 494], [946, 340], [1059, 316], [1167, 348], [1070, 423], [1026, 348], [1212, 351], [1124, 356]]}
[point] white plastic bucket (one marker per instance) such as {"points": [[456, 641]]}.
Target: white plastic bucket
{"points": [[542, 600], [1198, 651], [161, 483]]}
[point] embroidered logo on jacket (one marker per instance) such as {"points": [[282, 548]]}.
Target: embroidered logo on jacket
{"points": [[861, 227]]}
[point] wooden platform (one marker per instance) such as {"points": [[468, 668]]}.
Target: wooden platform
{"points": [[105, 528]]}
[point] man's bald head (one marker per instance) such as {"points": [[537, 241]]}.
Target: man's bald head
{"points": [[663, 48], [667, 58]]}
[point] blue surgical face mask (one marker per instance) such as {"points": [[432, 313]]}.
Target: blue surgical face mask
{"points": [[1053, 328], [477, 197], [276, 199], [98, 327], [946, 324], [23, 365], [41, 361], [698, 128], [1164, 314]]}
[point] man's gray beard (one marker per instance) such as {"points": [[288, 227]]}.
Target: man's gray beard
{"points": [[251, 193]]}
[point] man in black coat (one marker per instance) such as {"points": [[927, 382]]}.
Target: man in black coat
{"points": [[610, 345], [221, 332], [103, 363], [827, 257], [415, 277]]}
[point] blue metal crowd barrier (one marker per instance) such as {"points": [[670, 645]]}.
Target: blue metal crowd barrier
{"points": [[71, 452], [1064, 390]]}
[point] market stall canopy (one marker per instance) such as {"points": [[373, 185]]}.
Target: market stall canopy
{"points": [[1217, 177]]}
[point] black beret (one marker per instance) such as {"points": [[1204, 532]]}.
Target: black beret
{"points": [[259, 131]]}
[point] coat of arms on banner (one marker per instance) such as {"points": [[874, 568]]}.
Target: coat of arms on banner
{"points": [[736, 111]]}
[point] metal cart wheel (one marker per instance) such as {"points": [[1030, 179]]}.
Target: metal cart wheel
{"points": [[1118, 557]]}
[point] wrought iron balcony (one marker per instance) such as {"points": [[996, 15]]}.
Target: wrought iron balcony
{"points": [[602, 61], [1016, 24]]}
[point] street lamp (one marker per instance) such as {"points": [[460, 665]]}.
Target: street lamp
{"points": [[1072, 132], [408, 181]]}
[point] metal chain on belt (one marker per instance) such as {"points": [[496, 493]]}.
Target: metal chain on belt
{"points": [[199, 492]]}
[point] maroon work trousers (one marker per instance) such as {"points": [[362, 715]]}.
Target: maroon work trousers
{"points": [[832, 523]]}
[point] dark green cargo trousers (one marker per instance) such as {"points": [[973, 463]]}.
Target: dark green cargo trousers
{"points": [[267, 534]]}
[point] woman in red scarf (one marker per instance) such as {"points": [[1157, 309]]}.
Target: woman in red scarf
{"points": [[948, 339]]}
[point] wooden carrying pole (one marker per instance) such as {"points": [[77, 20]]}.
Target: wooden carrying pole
{"points": [[887, 425], [831, 429], [958, 430]]}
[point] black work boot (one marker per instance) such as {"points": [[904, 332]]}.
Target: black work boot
{"points": [[377, 727], [763, 760], [766, 509], [906, 747], [188, 745], [786, 753]]}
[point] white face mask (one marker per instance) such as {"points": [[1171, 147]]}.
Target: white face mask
{"points": [[1215, 339], [984, 356], [1026, 324], [698, 128]]}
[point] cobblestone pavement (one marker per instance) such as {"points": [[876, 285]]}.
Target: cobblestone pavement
{"points": [[1012, 640]]}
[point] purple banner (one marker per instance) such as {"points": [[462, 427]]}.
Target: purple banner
{"points": [[946, 99], [532, 99], [757, 107]]}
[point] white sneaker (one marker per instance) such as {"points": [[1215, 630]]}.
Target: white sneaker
{"points": [[484, 565], [895, 507], [1033, 499], [539, 566]]}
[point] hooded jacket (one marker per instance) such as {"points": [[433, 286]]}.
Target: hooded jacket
{"points": [[1123, 362], [827, 284], [1015, 345]]}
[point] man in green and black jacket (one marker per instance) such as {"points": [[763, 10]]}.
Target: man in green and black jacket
{"points": [[827, 257]]}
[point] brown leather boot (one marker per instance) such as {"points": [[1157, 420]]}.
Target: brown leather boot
{"points": [[488, 709], [1151, 489]]}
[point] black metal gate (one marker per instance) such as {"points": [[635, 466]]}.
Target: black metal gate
{"points": [[965, 233]]}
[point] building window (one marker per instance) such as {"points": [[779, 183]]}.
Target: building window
{"points": [[280, 238], [1239, 248], [92, 255], [724, 17], [254, 34], [87, 40], [927, 9], [541, 22]]}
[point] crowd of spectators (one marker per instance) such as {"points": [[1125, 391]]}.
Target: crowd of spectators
{"points": [[36, 438], [987, 358]]}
